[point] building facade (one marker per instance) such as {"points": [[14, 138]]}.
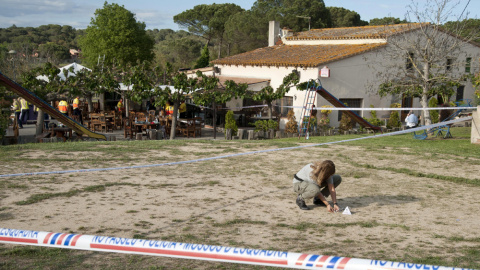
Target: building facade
{"points": [[359, 59]]}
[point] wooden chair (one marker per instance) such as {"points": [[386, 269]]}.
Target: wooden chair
{"points": [[189, 128], [117, 120], [199, 123], [151, 114], [128, 128], [95, 122], [104, 124]]}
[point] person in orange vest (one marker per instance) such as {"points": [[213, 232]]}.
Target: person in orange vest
{"points": [[17, 109], [169, 109], [25, 111], [63, 106]]}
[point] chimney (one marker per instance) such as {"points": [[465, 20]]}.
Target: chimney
{"points": [[273, 32], [287, 32]]}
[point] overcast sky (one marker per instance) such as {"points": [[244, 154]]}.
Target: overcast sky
{"points": [[159, 13]]}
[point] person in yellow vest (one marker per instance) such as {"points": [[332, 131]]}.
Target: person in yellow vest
{"points": [[25, 111], [76, 109], [76, 104], [17, 109], [120, 106], [183, 110], [63, 107]]}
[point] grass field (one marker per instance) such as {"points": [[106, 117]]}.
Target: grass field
{"points": [[412, 200]]}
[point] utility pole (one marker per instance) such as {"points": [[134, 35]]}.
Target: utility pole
{"points": [[13, 53], [305, 17]]}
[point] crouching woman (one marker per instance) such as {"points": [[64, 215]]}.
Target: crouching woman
{"points": [[318, 181]]}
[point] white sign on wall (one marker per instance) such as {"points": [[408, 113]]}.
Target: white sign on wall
{"points": [[325, 72]]}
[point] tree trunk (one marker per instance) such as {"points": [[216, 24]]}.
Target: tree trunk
{"points": [[40, 121], [220, 49], [270, 111], [214, 120], [176, 104], [424, 100], [89, 102]]}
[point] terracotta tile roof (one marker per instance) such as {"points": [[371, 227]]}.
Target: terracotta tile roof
{"points": [[362, 32], [297, 55]]}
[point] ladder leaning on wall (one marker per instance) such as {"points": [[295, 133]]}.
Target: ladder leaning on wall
{"points": [[307, 109]]}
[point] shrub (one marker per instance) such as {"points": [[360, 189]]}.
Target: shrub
{"points": [[264, 125], [324, 121], [346, 123], [434, 115], [374, 120], [230, 123], [394, 120], [4, 112], [291, 126]]}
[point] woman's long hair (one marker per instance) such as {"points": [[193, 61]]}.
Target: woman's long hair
{"points": [[322, 170]]}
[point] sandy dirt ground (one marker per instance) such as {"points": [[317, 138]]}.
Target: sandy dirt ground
{"points": [[248, 201]]}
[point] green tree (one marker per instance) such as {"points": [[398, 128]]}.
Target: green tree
{"points": [[386, 21], [246, 31], [292, 13], [114, 33], [87, 83], [210, 95], [268, 94], [468, 28], [204, 59], [47, 90], [207, 21], [180, 49], [342, 17], [425, 72], [53, 52], [182, 85]]}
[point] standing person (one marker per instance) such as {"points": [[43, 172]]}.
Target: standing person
{"points": [[25, 111], [169, 109], [16, 107], [76, 108], [411, 120], [150, 106], [183, 109], [317, 180], [63, 107], [120, 106]]}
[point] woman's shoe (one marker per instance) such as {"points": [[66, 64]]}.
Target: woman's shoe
{"points": [[301, 203]]}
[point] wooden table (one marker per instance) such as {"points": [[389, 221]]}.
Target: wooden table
{"points": [[140, 126]]}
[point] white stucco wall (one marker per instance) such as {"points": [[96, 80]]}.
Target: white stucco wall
{"points": [[354, 77]]}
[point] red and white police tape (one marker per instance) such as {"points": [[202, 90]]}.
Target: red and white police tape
{"points": [[202, 252]]}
